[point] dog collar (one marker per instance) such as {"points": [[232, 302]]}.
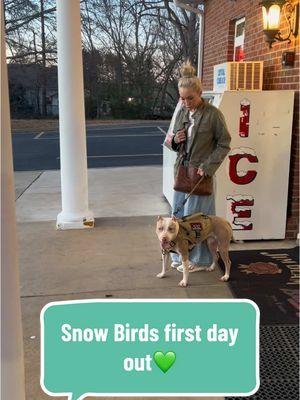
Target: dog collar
{"points": [[167, 247]]}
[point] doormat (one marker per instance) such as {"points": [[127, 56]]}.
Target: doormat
{"points": [[279, 366], [271, 279]]}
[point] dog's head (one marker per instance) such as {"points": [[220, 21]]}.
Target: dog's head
{"points": [[167, 230]]}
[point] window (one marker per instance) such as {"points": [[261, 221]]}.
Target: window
{"points": [[239, 36]]}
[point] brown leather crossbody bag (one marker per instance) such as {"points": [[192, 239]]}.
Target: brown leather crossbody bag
{"points": [[187, 180]]}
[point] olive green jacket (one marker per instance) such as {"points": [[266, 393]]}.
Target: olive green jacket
{"points": [[210, 139]]}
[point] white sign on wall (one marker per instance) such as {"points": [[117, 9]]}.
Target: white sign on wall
{"points": [[220, 76]]}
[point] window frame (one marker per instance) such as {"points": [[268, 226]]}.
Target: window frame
{"points": [[238, 40]]}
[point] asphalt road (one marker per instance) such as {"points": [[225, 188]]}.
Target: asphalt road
{"points": [[107, 146]]}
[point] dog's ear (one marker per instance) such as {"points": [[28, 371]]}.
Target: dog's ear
{"points": [[159, 218], [174, 218]]}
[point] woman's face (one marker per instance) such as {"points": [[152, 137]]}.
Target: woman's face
{"points": [[190, 98]]}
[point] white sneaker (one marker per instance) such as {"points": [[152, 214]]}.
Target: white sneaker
{"points": [[175, 264], [192, 268]]}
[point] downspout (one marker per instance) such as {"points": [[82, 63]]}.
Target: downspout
{"points": [[200, 12], [201, 43]]}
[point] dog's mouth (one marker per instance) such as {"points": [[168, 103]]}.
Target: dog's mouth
{"points": [[166, 244]]}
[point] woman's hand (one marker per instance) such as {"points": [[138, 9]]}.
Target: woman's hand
{"points": [[200, 172], [180, 136]]}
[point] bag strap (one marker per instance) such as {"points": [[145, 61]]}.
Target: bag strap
{"points": [[182, 152]]}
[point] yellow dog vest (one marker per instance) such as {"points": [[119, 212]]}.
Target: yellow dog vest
{"points": [[194, 228]]}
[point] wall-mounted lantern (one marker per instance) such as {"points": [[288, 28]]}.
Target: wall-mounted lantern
{"points": [[272, 10]]}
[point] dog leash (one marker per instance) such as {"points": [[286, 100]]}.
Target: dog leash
{"points": [[186, 199]]}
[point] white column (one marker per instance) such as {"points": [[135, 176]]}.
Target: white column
{"points": [[12, 359], [75, 213]]}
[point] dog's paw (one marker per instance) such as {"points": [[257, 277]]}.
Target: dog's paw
{"points": [[224, 278], [182, 283], [210, 269], [161, 275]]}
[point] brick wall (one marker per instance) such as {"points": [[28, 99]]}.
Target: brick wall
{"points": [[218, 47]]}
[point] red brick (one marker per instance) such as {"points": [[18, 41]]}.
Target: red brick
{"points": [[218, 48]]}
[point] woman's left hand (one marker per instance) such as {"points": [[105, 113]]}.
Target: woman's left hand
{"points": [[200, 172]]}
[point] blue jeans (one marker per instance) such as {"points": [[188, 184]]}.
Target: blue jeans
{"points": [[200, 254]]}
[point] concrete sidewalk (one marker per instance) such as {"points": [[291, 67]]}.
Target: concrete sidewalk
{"points": [[82, 264]]}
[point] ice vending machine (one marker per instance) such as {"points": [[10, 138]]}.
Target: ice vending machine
{"points": [[252, 182]]}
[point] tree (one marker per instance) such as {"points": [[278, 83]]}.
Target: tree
{"points": [[131, 50], [30, 34], [184, 22]]}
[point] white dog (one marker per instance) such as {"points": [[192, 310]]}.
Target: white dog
{"points": [[181, 235]]}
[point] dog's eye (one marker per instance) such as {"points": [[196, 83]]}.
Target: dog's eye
{"points": [[171, 229], [160, 228]]}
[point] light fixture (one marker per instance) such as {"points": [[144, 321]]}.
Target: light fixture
{"points": [[271, 10]]}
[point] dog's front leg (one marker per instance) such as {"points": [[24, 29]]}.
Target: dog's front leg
{"points": [[184, 252], [165, 265]]}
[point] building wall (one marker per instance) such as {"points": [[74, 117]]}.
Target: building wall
{"points": [[220, 16]]}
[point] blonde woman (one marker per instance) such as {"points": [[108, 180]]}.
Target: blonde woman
{"points": [[202, 129]]}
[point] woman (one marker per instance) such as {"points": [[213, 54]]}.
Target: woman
{"points": [[202, 129]]}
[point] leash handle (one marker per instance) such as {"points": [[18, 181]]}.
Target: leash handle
{"points": [[186, 199]]}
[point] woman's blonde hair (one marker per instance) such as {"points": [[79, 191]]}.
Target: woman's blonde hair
{"points": [[189, 78]]}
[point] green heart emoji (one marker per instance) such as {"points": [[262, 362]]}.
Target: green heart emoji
{"points": [[164, 361]]}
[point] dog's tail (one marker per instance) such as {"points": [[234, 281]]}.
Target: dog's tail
{"points": [[232, 237], [234, 240]]}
